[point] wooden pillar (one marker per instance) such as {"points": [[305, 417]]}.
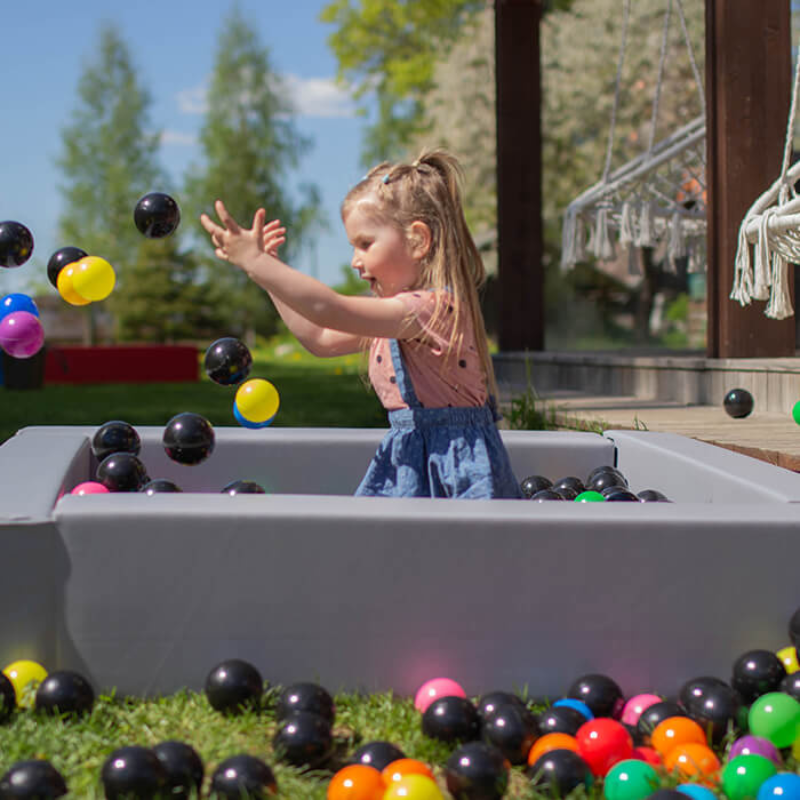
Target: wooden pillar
{"points": [[519, 175], [748, 86]]}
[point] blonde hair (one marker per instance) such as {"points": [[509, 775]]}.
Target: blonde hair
{"points": [[429, 190]]}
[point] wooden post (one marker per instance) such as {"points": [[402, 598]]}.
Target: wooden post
{"points": [[519, 175], [748, 86]]}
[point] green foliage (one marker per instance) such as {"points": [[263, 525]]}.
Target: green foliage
{"points": [[352, 284]]}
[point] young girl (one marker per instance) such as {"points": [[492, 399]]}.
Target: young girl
{"points": [[428, 357]]}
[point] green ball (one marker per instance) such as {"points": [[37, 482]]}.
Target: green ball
{"points": [[742, 776], [775, 716], [796, 412], [630, 779], [590, 497]]}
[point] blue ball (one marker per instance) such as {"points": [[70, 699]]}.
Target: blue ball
{"points": [[783, 786], [696, 791], [17, 302], [578, 705], [245, 423]]}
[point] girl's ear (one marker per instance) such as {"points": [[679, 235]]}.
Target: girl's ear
{"points": [[419, 238]]}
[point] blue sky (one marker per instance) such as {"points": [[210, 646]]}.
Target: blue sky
{"points": [[46, 45]]}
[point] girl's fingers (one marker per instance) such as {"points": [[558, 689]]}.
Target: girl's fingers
{"points": [[224, 215], [210, 225], [272, 224]]}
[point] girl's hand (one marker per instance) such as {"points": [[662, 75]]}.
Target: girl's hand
{"points": [[233, 243], [273, 236]]}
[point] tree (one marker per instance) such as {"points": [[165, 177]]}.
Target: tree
{"points": [[250, 144], [108, 161]]}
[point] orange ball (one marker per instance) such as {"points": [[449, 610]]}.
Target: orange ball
{"points": [[551, 741], [356, 782], [692, 759], [405, 766], [66, 289], [673, 731]]}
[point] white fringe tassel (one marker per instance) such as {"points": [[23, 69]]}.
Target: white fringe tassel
{"points": [[676, 245], [763, 278], [647, 234], [780, 303], [742, 290], [603, 244]]}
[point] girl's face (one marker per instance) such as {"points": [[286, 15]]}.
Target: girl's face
{"points": [[381, 252]]}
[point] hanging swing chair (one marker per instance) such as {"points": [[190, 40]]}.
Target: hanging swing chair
{"points": [[771, 227], [658, 197]]}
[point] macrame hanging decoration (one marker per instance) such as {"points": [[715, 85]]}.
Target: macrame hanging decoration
{"points": [[771, 227], [658, 197]]}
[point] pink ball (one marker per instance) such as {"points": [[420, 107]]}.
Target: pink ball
{"points": [[89, 487], [434, 689], [636, 706], [21, 334], [755, 745]]}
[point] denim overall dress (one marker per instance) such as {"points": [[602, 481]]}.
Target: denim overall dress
{"points": [[439, 452]]}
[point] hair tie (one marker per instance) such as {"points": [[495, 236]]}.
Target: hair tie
{"points": [[385, 178]]}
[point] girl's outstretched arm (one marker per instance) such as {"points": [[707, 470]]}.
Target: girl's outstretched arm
{"points": [[315, 301]]}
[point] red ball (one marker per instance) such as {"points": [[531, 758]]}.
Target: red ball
{"points": [[602, 742]]}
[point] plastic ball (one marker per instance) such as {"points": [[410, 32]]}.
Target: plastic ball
{"points": [[675, 731], [122, 472], [755, 745], [559, 772], [645, 753], [600, 693], [21, 334], [652, 496], [188, 438], [66, 288], [234, 685], [257, 400], [796, 412], [552, 741], [310, 697], [783, 786], [533, 484], [377, 754], [713, 704], [243, 776], [17, 302], [589, 497], [237, 415], [605, 480], [435, 688], [757, 672], [451, 719], [8, 698], [578, 705], [37, 779], [133, 771], [115, 436], [488, 703], [791, 685], [476, 771], [156, 215], [602, 742], [513, 731], [64, 692], [696, 791], [775, 716], [183, 766], [657, 713], [545, 495], [413, 787], [16, 244], [25, 675], [304, 739], [356, 782], [692, 760], [738, 403], [636, 705], [560, 719], [93, 278], [743, 776], [242, 487], [89, 487], [630, 780], [160, 486], [60, 259], [788, 657], [228, 361], [397, 770]]}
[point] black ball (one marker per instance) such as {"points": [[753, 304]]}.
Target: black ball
{"points": [[183, 766], [243, 776], [490, 702], [533, 484], [133, 772], [566, 493], [560, 719], [233, 686], [35, 780], [713, 704], [115, 436], [65, 692], [757, 672], [619, 494], [600, 693], [666, 794], [156, 215], [605, 479], [228, 361], [122, 472], [794, 630], [16, 244], [308, 697], [451, 719], [377, 754], [304, 739], [652, 496], [60, 259], [571, 483], [188, 438], [243, 487], [476, 771], [8, 698], [791, 685], [559, 772], [738, 403], [159, 486], [513, 731], [603, 468], [693, 691], [658, 712], [544, 495]]}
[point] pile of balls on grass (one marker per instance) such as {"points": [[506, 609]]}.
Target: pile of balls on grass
{"points": [[733, 739]]}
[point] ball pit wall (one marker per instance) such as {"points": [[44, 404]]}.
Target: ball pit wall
{"points": [[146, 594]]}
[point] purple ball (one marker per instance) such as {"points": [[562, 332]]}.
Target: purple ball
{"points": [[755, 745], [21, 334]]}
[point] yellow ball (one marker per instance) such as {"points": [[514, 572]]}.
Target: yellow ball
{"points": [[257, 400], [93, 278], [24, 674], [413, 787], [788, 657], [66, 289]]}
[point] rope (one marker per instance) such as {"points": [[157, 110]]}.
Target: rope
{"points": [[697, 79], [626, 13], [787, 151], [660, 82]]}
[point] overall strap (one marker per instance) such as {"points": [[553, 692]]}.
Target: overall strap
{"points": [[403, 379]]}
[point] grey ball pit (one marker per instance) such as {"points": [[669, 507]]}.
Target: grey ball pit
{"points": [[146, 594]]}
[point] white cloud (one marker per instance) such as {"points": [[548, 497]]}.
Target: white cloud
{"points": [[178, 138], [193, 100]]}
